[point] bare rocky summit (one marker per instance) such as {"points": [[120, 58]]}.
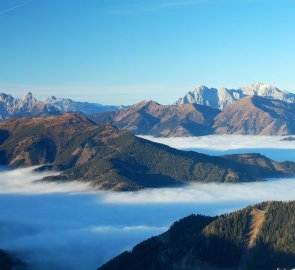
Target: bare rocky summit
{"points": [[28, 106], [219, 98]]}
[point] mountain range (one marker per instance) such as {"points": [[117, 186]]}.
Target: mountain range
{"points": [[29, 106], [219, 98], [149, 117], [252, 115], [256, 115], [259, 237], [258, 109], [109, 158]]}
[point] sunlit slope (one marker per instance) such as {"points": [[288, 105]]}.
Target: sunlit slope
{"points": [[113, 159], [256, 115]]}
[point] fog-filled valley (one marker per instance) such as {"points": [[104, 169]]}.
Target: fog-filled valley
{"points": [[274, 147], [70, 226]]}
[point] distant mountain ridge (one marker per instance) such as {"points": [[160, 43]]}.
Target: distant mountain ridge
{"points": [[152, 118], [255, 115], [258, 109], [252, 115], [67, 105], [28, 106], [259, 237], [220, 98]]}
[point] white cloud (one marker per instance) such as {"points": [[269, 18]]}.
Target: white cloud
{"points": [[225, 142], [279, 189], [23, 181], [112, 229], [92, 227]]}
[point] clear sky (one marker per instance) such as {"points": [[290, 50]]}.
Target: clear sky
{"points": [[124, 51]]}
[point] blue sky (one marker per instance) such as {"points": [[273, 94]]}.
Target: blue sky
{"points": [[123, 51]]}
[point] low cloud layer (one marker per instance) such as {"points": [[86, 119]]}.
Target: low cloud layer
{"points": [[278, 189], [225, 142], [23, 181], [60, 226]]}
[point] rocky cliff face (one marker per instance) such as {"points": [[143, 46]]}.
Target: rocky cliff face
{"points": [[222, 97]]}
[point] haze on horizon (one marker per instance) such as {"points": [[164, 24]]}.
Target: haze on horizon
{"points": [[121, 52]]}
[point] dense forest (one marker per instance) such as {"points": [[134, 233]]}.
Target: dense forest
{"points": [[259, 237]]}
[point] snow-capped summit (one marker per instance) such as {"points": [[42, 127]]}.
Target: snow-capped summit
{"points": [[63, 104], [219, 98], [29, 106], [69, 105], [267, 90], [28, 97]]}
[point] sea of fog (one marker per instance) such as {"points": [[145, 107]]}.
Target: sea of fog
{"points": [[271, 146], [68, 226]]}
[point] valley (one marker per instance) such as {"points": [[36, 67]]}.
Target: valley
{"points": [[107, 223]]}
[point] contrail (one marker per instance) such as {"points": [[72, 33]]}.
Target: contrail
{"points": [[12, 8]]}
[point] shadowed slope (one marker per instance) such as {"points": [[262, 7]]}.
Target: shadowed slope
{"points": [[199, 242]]}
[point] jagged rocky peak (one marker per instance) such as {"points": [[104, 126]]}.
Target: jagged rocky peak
{"points": [[29, 106], [263, 89], [29, 98], [6, 97], [220, 98], [63, 104], [51, 98]]}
